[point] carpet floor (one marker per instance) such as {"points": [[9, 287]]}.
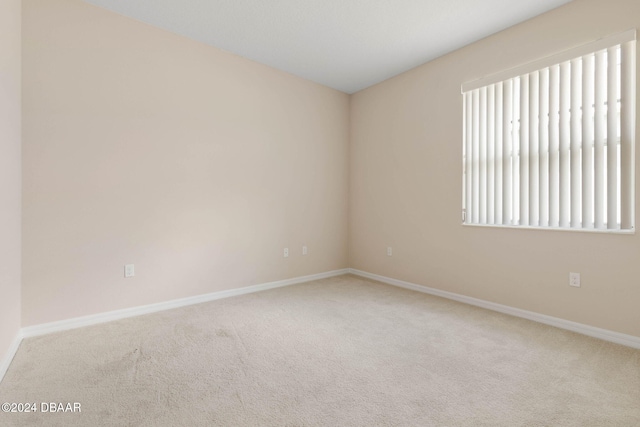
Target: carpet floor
{"points": [[343, 351]]}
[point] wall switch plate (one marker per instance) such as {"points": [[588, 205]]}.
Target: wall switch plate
{"points": [[304, 250], [389, 251], [129, 270], [286, 252], [574, 279]]}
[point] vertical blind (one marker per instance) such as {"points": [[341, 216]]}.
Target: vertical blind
{"points": [[553, 145]]}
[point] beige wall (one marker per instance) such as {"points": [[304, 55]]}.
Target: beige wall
{"points": [[10, 114], [197, 166], [406, 188]]}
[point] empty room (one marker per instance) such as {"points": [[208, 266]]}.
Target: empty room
{"points": [[319, 213]]}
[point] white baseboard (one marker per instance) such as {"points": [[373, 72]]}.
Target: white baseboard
{"points": [[4, 363], [603, 334], [78, 322], [46, 328]]}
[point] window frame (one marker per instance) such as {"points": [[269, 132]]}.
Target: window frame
{"points": [[483, 134]]}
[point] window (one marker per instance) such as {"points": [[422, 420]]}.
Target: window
{"points": [[551, 144]]}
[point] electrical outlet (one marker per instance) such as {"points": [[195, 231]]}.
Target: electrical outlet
{"points": [[574, 279], [286, 252], [389, 251], [304, 250], [129, 271]]}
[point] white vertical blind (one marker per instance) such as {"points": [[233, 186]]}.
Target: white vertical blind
{"points": [[612, 133], [627, 133], [534, 151], [524, 150], [588, 87], [468, 154], [565, 141], [483, 156], [491, 142], [543, 135], [554, 146], [576, 142], [498, 154], [475, 159], [507, 153], [600, 134]]}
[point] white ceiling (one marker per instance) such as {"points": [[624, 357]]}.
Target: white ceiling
{"points": [[344, 44]]}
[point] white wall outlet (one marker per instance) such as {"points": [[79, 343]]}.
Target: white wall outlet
{"points": [[574, 279], [286, 252], [129, 270], [389, 251], [304, 250]]}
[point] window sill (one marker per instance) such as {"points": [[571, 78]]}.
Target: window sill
{"points": [[571, 230]]}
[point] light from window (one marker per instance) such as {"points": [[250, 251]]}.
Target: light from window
{"points": [[553, 147]]}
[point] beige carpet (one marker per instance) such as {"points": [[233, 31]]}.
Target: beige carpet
{"points": [[337, 352]]}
